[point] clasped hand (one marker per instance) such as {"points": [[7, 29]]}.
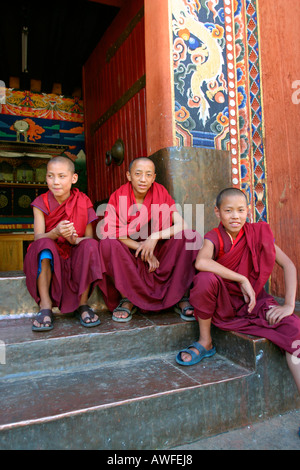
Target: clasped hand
{"points": [[66, 229], [146, 250]]}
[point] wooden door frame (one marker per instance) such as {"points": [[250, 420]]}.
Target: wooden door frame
{"points": [[159, 76]]}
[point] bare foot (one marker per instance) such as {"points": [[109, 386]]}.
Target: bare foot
{"points": [[122, 313], [188, 312], [43, 320], [87, 318], [185, 357], [87, 315]]}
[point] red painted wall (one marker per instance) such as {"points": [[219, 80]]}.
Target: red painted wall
{"points": [[103, 84], [280, 53]]}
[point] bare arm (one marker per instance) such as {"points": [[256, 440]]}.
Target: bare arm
{"points": [[132, 244], [178, 225], [63, 229], [147, 247], [74, 239], [275, 314]]}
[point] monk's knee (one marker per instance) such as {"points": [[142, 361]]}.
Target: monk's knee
{"points": [[206, 281], [108, 243], [107, 246], [191, 239], [45, 243], [89, 245]]}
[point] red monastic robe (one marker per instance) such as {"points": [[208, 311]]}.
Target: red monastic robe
{"points": [[126, 274], [75, 266], [253, 255]]}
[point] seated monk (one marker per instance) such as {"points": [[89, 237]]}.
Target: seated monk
{"points": [[234, 264], [147, 254], [63, 263]]}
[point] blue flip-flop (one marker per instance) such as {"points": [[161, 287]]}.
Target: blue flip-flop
{"points": [[195, 357]]}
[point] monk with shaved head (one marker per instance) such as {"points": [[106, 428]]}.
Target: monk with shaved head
{"points": [[62, 264], [144, 248], [234, 264]]}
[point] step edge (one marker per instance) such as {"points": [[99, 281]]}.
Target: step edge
{"points": [[89, 367], [56, 417]]}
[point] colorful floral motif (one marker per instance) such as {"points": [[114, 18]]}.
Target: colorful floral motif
{"points": [[52, 119], [199, 71], [41, 105], [218, 88]]}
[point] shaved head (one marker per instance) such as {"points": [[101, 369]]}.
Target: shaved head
{"points": [[63, 159], [136, 160], [229, 192]]}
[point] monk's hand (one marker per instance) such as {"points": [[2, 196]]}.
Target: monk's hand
{"points": [[73, 239], [65, 229], [153, 264], [277, 312], [248, 293], [146, 249]]}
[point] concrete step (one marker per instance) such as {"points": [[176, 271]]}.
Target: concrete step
{"points": [[70, 345], [118, 386], [16, 300], [148, 403]]}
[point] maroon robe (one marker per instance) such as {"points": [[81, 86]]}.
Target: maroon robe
{"points": [[75, 267], [222, 300], [126, 274]]}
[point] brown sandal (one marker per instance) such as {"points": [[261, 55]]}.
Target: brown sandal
{"points": [[46, 325], [91, 315]]}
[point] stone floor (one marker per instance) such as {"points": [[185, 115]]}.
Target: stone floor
{"points": [[278, 433]]}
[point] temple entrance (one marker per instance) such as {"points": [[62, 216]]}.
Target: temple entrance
{"points": [[114, 84], [42, 49]]}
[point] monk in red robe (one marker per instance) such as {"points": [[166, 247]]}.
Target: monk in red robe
{"points": [[62, 264], [147, 254], [235, 262]]}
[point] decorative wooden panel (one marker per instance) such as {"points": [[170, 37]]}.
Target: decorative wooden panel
{"points": [[282, 127], [115, 100], [12, 250]]}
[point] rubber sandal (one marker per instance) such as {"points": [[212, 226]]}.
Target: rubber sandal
{"points": [[40, 317], [90, 324], [195, 357], [182, 311], [119, 308]]}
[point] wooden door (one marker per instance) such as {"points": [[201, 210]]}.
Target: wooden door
{"points": [[281, 86], [115, 100]]}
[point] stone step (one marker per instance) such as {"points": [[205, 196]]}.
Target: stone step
{"points": [[118, 386], [70, 345], [16, 300], [146, 403]]}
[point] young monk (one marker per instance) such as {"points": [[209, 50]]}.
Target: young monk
{"points": [[62, 264], [235, 262], [145, 256]]}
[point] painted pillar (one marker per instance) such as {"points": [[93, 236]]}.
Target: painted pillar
{"points": [[184, 166]]}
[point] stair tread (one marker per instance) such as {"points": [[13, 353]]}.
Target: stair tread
{"points": [[42, 397], [19, 330]]}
